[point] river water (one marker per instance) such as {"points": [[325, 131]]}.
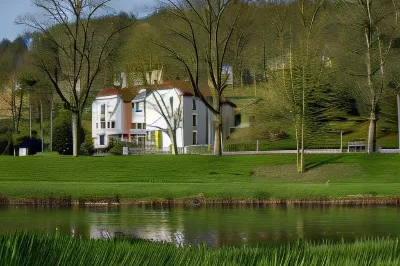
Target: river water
{"points": [[211, 225]]}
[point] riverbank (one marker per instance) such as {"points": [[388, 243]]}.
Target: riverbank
{"points": [[330, 179], [37, 249]]}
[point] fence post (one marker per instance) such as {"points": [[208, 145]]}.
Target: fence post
{"points": [[341, 141], [257, 145]]}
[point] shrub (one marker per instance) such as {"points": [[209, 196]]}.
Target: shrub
{"points": [[117, 148], [87, 148], [62, 133]]}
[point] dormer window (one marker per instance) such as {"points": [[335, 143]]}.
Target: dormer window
{"points": [[194, 104], [138, 106]]}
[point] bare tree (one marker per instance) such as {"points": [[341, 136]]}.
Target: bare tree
{"points": [[208, 29], [171, 116], [12, 93], [79, 43], [373, 25]]}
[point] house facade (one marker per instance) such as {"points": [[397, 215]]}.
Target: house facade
{"points": [[143, 119]]}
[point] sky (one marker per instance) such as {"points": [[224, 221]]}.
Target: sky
{"points": [[11, 9]]}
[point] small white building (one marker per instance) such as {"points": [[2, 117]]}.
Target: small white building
{"points": [[138, 118]]}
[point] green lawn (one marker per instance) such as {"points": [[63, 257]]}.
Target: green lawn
{"points": [[171, 177]]}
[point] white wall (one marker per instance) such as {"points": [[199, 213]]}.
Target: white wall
{"points": [[138, 117], [110, 102], [154, 119]]}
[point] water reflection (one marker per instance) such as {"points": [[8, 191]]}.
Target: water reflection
{"points": [[212, 225]]}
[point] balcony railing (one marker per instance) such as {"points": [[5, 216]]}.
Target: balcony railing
{"points": [[138, 131]]}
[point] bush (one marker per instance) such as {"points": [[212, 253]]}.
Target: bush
{"points": [[62, 133], [87, 148], [199, 149]]}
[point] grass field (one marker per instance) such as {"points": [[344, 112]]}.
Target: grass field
{"points": [[174, 177], [36, 249]]}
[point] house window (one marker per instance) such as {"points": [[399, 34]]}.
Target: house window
{"points": [[138, 106], [112, 124], [194, 137], [194, 104], [103, 124], [101, 139], [108, 125], [102, 113], [141, 125], [97, 125], [194, 118]]}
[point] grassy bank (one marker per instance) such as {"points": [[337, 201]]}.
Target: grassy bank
{"points": [[35, 249], [170, 177]]}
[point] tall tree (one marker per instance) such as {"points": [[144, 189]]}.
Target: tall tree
{"points": [[298, 66], [207, 27], [372, 24], [77, 40], [12, 92]]}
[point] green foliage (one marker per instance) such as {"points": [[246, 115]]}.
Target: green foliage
{"points": [[39, 249], [116, 146], [62, 133], [87, 148]]}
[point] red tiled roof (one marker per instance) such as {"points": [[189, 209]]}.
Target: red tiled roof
{"points": [[128, 94], [184, 86], [108, 92]]}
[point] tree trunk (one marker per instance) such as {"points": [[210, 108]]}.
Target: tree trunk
{"points": [[217, 135], [372, 133], [172, 135], [297, 150], [75, 134]]}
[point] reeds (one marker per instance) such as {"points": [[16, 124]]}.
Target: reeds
{"points": [[38, 249]]}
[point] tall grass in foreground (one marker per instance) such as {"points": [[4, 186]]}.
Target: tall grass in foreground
{"points": [[37, 249]]}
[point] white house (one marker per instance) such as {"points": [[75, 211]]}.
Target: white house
{"points": [[137, 117]]}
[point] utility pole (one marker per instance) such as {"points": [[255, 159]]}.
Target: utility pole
{"points": [[41, 123], [51, 124], [30, 116]]}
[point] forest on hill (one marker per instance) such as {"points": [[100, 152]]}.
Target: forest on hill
{"points": [[300, 69]]}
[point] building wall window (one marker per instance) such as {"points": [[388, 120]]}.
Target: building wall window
{"points": [[103, 112], [194, 138], [112, 124], [108, 125], [194, 104], [194, 119], [138, 106], [97, 125], [141, 126], [102, 124], [101, 139]]}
